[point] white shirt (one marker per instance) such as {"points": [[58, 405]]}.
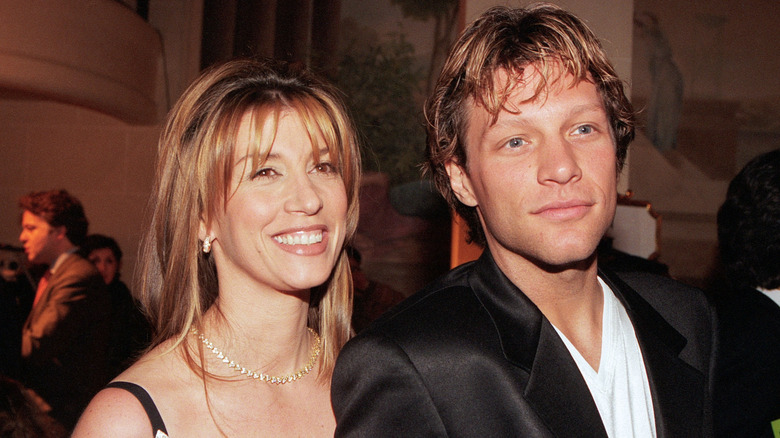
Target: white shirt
{"points": [[774, 294], [620, 388], [61, 258]]}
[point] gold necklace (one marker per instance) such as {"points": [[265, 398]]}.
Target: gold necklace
{"points": [[315, 352]]}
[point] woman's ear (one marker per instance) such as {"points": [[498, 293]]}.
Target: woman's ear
{"points": [[202, 230], [460, 183], [205, 235], [205, 231]]}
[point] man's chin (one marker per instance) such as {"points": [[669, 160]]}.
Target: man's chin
{"points": [[567, 262]]}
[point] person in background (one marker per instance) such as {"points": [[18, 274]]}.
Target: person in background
{"points": [[747, 384], [130, 332], [371, 298], [16, 296], [64, 339], [243, 269], [22, 413], [528, 127]]}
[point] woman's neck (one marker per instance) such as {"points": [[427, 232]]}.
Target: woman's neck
{"points": [[266, 332]]}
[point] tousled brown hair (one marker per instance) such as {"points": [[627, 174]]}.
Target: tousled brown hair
{"points": [[511, 39], [59, 209]]}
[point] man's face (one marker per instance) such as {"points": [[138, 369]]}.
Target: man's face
{"points": [[543, 177], [41, 241]]}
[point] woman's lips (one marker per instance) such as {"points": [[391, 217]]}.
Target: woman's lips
{"points": [[299, 238], [309, 241]]}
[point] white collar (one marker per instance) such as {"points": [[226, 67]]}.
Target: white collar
{"points": [[773, 294], [61, 258]]}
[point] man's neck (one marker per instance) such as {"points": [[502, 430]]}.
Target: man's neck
{"points": [[570, 298], [58, 260]]}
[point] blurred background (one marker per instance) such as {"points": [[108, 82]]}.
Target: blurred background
{"points": [[85, 85]]}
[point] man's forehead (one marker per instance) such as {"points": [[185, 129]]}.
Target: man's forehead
{"points": [[531, 83], [29, 216], [32, 219]]}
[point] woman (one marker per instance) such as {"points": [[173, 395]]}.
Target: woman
{"points": [[243, 270], [129, 331]]}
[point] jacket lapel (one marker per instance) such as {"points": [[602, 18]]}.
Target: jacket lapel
{"points": [[556, 390], [54, 281], [676, 386]]}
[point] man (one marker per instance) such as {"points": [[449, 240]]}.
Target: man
{"points": [[747, 373], [528, 128], [64, 340]]}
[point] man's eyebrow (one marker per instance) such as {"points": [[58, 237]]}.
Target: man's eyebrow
{"points": [[586, 107], [516, 118]]}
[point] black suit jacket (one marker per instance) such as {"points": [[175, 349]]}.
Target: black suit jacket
{"points": [[472, 356], [65, 340], [747, 372]]}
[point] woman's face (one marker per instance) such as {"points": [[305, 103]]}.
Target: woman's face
{"points": [[105, 262], [284, 224]]}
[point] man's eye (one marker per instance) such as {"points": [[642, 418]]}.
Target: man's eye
{"points": [[515, 142], [584, 129]]}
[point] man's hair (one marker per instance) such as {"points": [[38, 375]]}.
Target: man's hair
{"points": [[99, 241], [749, 224], [59, 209], [511, 39]]}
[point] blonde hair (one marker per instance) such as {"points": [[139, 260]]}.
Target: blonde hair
{"points": [[511, 39], [176, 280]]}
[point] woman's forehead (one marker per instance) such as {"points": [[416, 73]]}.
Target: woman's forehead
{"points": [[259, 129]]}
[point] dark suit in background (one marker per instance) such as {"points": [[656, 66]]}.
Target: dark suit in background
{"points": [[747, 389], [64, 340], [747, 377], [472, 356]]}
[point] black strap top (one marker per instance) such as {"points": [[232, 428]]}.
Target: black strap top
{"points": [[158, 427]]}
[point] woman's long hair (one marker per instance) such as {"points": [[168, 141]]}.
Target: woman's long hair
{"points": [[176, 280]]}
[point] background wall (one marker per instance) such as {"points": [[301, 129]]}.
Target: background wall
{"points": [[726, 52], [104, 161], [727, 57]]}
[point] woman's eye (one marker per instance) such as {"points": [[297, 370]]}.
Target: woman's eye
{"points": [[325, 167], [264, 173], [515, 142]]}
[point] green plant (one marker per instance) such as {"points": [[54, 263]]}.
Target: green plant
{"points": [[382, 86]]}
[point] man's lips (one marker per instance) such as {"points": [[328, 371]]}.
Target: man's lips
{"points": [[563, 210]]}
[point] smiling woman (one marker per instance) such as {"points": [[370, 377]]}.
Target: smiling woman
{"points": [[256, 194]]}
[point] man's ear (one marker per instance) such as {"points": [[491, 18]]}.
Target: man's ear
{"points": [[460, 183], [60, 231]]}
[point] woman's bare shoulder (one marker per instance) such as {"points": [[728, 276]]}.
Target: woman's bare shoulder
{"points": [[114, 412]]}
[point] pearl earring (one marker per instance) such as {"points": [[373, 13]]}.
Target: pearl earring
{"points": [[207, 245]]}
